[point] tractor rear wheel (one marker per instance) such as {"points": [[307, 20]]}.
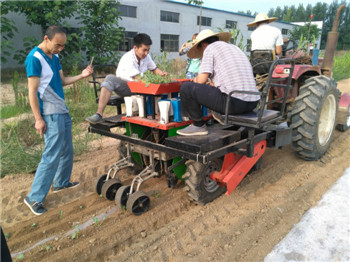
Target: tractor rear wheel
{"points": [[314, 117], [200, 187]]}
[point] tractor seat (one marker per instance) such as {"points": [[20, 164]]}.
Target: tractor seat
{"points": [[252, 118]]}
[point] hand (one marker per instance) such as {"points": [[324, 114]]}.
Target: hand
{"points": [[87, 71], [163, 73], [40, 127]]}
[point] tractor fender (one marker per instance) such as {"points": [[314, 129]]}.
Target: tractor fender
{"points": [[299, 70]]}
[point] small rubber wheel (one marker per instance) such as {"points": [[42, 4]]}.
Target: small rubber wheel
{"points": [[122, 196], [99, 183], [138, 203], [110, 187]]}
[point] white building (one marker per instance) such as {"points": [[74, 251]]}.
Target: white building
{"points": [[169, 24]]}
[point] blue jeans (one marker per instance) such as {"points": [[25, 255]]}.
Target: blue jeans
{"points": [[191, 75], [57, 160]]}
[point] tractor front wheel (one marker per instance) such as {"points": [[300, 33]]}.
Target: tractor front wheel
{"points": [[200, 187], [314, 117]]}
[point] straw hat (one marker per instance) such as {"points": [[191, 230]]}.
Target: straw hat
{"points": [[194, 52], [261, 18]]}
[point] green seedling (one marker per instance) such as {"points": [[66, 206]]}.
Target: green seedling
{"points": [[81, 206], [76, 233], [101, 195], [124, 207], [48, 247], [7, 235], [34, 225], [150, 78], [98, 223], [20, 257], [156, 194], [61, 213]]}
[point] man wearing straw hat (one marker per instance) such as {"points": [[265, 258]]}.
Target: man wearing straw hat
{"points": [[228, 69], [265, 36]]}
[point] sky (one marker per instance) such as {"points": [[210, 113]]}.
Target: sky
{"points": [[260, 6]]}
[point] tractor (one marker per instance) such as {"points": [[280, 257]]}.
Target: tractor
{"points": [[299, 105]]}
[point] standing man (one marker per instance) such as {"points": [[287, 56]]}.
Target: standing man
{"points": [[52, 119], [228, 69], [265, 36], [130, 67]]}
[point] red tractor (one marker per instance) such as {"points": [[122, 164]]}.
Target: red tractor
{"points": [[300, 105]]}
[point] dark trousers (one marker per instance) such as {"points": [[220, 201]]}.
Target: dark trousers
{"points": [[194, 95], [5, 252]]}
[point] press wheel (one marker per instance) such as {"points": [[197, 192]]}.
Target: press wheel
{"points": [[138, 203], [122, 196], [99, 183], [110, 187]]}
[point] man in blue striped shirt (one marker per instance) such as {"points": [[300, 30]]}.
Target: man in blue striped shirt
{"points": [[52, 119]]}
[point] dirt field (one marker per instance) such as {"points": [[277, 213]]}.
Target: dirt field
{"points": [[244, 226]]}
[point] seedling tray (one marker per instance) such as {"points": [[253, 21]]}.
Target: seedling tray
{"points": [[156, 89]]}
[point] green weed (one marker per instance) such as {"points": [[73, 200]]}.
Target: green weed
{"points": [[60, 214], [341, 68]]}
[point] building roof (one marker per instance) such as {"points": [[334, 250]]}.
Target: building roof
{"points": [[220, 10]]}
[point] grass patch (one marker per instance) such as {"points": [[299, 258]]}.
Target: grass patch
{"points": [[341, 68], [13, 110]]}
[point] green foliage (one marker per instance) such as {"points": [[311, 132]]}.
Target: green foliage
{"points": [[21, 148], [99, 34], [162, 61], [341, 68], [237, 37], [43, 13], [75, 235], [321, 12], [150, 78], [308, 33], [8, 29], [100, 30], [195, 2]]}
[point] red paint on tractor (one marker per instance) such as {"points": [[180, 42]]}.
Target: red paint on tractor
{"points": [[236, 167]]}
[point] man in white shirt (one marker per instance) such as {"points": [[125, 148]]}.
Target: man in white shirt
{"points": [[265, 36], [130, 66]]}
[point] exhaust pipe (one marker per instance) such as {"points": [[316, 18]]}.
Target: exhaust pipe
{"points": [[331, 45]]}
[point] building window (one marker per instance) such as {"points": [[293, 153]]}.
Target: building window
{"points": [[127, 42], [251, 28], [127, 10], [284, 31], [206, 21], [231, 24], [169, 16], [169, 43]]}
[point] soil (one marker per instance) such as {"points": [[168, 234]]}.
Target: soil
{"points": [[244, 226]]}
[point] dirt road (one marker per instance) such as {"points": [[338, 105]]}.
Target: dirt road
{"points": [[245, 226]]}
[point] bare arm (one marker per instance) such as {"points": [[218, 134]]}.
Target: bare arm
{"points": [[72, 79], [157, 71], [201, 78], [33, 85], [278, 49]]}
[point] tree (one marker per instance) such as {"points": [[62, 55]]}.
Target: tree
{"points": [[8, 29], [307, 30], [100, 32], [42, 13]]}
